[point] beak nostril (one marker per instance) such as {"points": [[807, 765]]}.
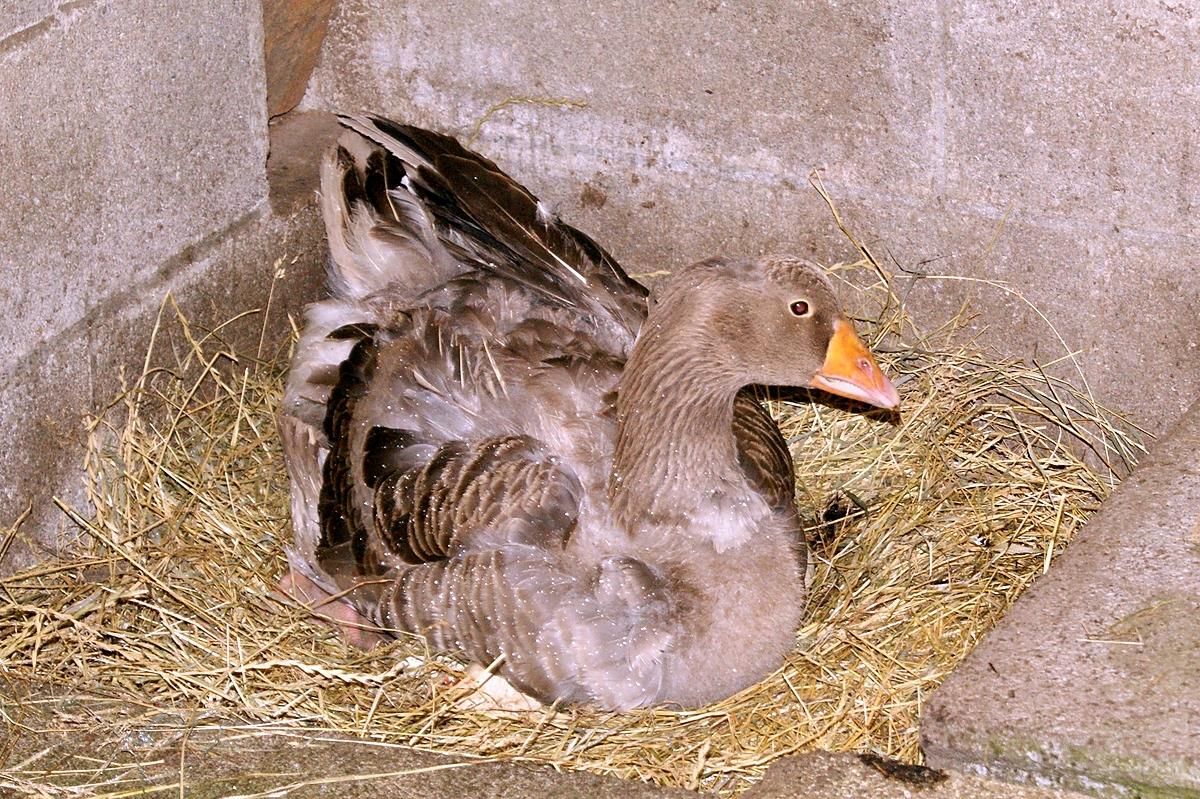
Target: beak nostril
{"points": [[865, 365]]}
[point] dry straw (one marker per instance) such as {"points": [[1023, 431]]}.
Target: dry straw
{"points": [[924, 528]]}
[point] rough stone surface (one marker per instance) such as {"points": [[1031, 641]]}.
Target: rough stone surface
{"points": [[1092, 680], [223, 758], [1053, 149], [293, 31], [19, 15], [1067, 91], [697, 83], [132, 129], [1049, 294], [825, 775]]}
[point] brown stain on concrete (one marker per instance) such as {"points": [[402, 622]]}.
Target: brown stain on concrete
{"points": [[592, 196]]}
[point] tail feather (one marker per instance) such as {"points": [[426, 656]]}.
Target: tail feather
{"points": [[379, 234], [498, 225]]}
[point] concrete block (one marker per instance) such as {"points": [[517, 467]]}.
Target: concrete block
{"points": [[1092, 680], [1125, 304], [45, 442], [131, 131], [825, 775], [1075, 110], [227, 758], [700, 88]]}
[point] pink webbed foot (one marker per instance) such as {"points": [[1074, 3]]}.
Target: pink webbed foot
{"points": [[354, 628]]}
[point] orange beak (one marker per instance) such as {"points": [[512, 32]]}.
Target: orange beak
{"points": [[850, 370]]}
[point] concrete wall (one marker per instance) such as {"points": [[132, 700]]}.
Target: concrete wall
{"points": [[1052, 145], [133, 154]]}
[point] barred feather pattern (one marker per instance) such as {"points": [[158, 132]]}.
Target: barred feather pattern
{"points": [[497, 491], [761, 450]]}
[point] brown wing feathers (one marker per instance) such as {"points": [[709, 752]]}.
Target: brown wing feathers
{"points": [[500, 225], [341, 524], [431, 500], [497, 491], [491, 604], [762, 452]]}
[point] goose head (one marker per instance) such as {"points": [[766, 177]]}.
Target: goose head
{"points": [[771, 321]]}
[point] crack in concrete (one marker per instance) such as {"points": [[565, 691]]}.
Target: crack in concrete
{"points": [[166, 272], [62, 15]]}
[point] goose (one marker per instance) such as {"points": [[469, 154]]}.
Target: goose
{"points": [[497, 439]]}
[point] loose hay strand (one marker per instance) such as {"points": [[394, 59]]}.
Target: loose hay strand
{"points": [[923, 530]]}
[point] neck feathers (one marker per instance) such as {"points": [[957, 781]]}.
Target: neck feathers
{"points": [[675, 462]]}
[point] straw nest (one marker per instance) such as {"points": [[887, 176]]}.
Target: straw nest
{"points": [[923, 529]]}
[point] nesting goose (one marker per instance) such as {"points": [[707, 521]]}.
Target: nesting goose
{"points": [[496, 439]]}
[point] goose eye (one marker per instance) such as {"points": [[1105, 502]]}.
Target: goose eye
{"points": [[799, 308]]}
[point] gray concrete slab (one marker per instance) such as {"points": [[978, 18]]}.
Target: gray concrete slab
{"points": [[131, 130], [158, 751], [750, 90], [825, 775], [1080, 110], [215, 758], [1093, 678], [1077, 283], [133, 157]]}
